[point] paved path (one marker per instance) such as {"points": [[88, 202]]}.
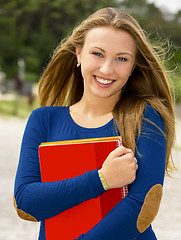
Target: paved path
{"points": [[11, 226], [167, 225]]}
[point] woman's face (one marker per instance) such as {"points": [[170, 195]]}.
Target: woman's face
{"points": [[107, 60]]}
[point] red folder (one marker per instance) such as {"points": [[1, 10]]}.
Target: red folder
{"points": [[68, 159]]}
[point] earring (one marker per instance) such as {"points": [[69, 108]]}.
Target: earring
{"points": [[78, 64]]}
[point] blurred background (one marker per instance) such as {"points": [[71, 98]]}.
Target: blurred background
{"points": [[29, 32]]}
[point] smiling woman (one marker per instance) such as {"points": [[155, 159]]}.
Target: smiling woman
{"points": [[106, 64], [105, 80]]}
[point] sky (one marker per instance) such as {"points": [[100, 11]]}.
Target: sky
{"points": [[172, 5]]}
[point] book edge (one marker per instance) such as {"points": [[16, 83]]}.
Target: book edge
{"points": [[79, 141]]}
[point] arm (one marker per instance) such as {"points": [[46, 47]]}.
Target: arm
{"points": [[35, 200], [132, 216]]}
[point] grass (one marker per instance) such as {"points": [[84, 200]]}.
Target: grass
{"points": [[175, 76], [176, 79], [17, 107]]}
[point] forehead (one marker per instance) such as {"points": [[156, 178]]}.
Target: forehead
{"points": [[109, 38]]}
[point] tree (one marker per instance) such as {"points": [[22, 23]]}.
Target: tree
{"points": [[31, 29]]}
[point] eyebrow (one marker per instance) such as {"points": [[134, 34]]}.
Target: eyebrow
{"points": [[121, 53]]}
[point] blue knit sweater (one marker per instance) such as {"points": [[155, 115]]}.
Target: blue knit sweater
{"points": [[45, 200]]}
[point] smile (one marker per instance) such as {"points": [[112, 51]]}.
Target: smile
{"points": [[103, 81]]}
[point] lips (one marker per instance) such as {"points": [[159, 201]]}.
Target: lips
{"points": [[103, 82]]}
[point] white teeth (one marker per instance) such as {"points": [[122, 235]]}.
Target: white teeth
{"points": [[104, 81]]}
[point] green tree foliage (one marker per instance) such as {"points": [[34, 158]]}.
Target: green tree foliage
{"points": [[31, 29]]}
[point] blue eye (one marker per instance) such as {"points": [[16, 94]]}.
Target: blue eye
{"points": [[121, 59], [97, 54]]}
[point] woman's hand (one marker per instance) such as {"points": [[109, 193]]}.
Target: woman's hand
{"points": [[119, 169]]}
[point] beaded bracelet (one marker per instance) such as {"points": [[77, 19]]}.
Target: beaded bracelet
{"points": [[103, 181]]}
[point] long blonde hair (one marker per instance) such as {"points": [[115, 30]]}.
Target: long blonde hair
{"points": [[61, 83]]}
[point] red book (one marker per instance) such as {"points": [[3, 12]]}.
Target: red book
{"points": [[68, 159]]}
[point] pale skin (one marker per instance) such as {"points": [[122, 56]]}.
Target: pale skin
{"points": [[107, 60]]}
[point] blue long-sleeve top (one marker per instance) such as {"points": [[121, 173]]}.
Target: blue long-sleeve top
{"points": [[131, 218]]}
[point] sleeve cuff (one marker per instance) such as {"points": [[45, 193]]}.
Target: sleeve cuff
{"points": [[95, 183]]}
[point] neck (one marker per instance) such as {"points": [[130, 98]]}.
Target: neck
{"points": [[92, 113], [97, 106]]}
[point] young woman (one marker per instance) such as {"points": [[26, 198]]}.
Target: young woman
{"points": [[105, 79]]}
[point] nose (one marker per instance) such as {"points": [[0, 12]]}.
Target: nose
{"points": [[106, 68]]}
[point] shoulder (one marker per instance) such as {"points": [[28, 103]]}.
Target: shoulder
{"points": [[42, 115], [44, 112], [48, 110], [152, 118], [152, 114], [42, 120]]}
